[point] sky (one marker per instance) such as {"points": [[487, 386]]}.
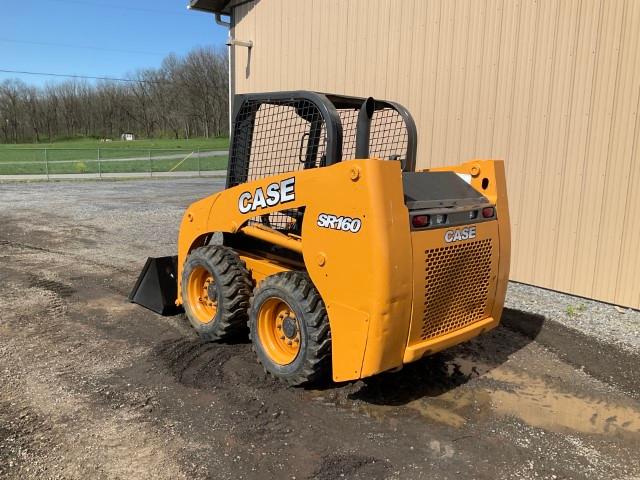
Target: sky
{"points": [[101, 38]]}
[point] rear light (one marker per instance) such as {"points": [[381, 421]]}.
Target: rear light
{"points": [[441, 219], [419, 221], [473, 214], [488, 212]]}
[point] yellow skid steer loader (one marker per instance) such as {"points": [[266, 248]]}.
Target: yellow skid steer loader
{"points": [[337, 254]]}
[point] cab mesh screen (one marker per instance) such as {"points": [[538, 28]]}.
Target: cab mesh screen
{"points": [[276, 137], [389, 137]]}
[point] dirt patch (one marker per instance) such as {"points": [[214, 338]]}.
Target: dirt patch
{"points": [[350, 466], [53, 286], [24, 434]]}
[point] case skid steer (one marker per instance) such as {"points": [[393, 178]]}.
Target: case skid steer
{"points": [[336, 253]]}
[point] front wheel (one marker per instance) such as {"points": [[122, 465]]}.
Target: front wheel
{"points": [[216, 287], [289, 328]]}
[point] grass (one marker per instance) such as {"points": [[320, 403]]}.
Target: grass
{"points": [[81, 156], [218, 143], [573, 310]]}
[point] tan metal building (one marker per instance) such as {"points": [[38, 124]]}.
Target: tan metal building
{"points": [[550, 86]]}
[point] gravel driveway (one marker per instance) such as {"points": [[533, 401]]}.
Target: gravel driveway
{"points": [[94, 387]]}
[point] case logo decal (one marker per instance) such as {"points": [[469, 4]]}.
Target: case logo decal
{"points": [[344, 224], [466, 233], [280, 192]]}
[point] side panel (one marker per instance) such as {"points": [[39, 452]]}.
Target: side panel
{"points": [[368, 271]]}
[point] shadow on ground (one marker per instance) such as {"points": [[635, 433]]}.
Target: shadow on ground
{"points": [[437, 374]]}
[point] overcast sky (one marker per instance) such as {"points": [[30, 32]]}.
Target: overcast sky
{"points": [[98, 37]]}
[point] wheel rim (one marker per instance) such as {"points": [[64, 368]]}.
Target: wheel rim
{"points": [[199, 286], [279, 331]]}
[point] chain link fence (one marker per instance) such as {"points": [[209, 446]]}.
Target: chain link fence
{"points": [[51, 163]]}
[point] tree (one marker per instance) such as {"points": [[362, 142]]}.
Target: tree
{"points": [[183, 97]]}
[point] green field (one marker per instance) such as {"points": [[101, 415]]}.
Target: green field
{"points": [[92, 156]]}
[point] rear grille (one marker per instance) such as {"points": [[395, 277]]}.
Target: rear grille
{"points": [[456, 287]]}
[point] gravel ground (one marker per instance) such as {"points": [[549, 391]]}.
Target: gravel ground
{"points": [[609, 323], [94, 387]]}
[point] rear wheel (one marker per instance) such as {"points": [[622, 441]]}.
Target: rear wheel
{"points": [[216, 287], [289, 328]]}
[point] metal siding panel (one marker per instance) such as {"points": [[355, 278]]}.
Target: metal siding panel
{"points": [[443, 84], [616, 223], [471, 101], [388, 74], [506, 82], [366, 71], [554, 155], [590, 23], [416, 73], [402, 76], [610, 226], [260, 49], [315, 28], [341, 46], [519, 134], [306, 36], [381, 44], [334, 50], [371, 50], [428, 94], [353, 49], [289, 47], [596, 149], [276, 32], [489, 80], [297, 44], [627, 283], [542, 89], [453, 130]]}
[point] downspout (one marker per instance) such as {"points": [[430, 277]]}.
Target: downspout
{"points": [[231, 63], [231, 42]]}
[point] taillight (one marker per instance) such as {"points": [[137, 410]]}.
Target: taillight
{"points": [[419, 221], [488, 212]]}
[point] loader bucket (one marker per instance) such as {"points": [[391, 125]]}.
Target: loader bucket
{"points": [[157, 286]]}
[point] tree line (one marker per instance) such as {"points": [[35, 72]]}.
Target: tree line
{"points": [[185, 97]]}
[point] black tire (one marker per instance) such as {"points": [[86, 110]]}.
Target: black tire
{"points": [[313, 360], [233, 286]]}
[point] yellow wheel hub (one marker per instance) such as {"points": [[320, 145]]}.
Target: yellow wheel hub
{"points": [[202, 294], [279, 331]]}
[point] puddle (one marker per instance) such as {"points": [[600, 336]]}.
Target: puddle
{"points": [[438, 414], [529, 399], [541, 405]]}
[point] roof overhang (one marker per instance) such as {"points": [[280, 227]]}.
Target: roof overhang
{"points": [[222, 7]]}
